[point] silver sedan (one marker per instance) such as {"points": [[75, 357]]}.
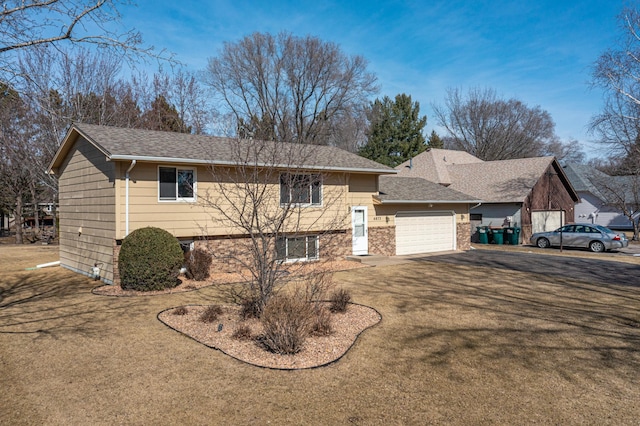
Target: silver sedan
{"points": [[594, 237]]}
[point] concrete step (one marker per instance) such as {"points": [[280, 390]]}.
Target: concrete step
{"points": [[367, 258]]}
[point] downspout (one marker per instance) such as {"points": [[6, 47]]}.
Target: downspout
{"points": [[477, 205], [126, 198]]}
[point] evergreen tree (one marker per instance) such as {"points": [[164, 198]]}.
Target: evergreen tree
{"points": [[395, 131], [164, 116], [435, 141]]}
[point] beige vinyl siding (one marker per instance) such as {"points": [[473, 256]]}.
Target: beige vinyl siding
{"points": [[193, 219], [86, 197], [386, 213], [362, 188]]}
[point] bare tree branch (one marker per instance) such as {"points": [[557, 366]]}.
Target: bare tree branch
{"points": [[29, 24], [492, 128], [287, 88], [270, 200]]}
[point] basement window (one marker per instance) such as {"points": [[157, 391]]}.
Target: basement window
{"points": [[289, 249]]}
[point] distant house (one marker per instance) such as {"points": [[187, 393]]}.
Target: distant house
{"points": [[533, 194], [113, 181], [594, 188]]}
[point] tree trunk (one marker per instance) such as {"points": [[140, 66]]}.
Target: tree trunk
{"points": [[36, 213], [18, 220]]}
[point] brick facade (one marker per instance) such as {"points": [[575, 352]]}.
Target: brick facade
{"points": [[382, 240], [463, 236], [230, 253]]}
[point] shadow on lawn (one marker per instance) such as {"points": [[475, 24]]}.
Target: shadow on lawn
{"points": [[51, 303], [483, 317], [587, 269]]}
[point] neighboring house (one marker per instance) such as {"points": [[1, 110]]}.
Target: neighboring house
{"points": [[593, 187], [113, 181], [533, 194]]}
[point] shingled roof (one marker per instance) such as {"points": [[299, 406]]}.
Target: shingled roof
{"points": [[408, 190], [432, 164], [120, 144], [582, 178], [502, 181]]}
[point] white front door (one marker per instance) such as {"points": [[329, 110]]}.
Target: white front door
{"points": [[359, 230]]}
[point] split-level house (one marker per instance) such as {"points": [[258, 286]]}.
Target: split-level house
{"points": [[114, 180]]}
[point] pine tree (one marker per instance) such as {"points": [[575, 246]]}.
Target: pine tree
{"points": [[395, 132], [435, 141]]}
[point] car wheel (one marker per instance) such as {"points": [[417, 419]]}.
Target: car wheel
{"points": [[543, 243], [596, 246]]}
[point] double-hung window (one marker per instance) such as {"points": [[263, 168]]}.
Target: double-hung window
{"points": [[177, 184], [297, 248], [300, 189]]}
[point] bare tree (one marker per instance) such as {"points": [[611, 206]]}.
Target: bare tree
{"points": [[622, 193], [43, 23], [617, 127], [177, 98], [491, 128], [288, 88], [84, 86], [17, 157], [285, 212], [565, 152]]}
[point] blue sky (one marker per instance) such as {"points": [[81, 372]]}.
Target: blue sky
{"points": [[540, 52]]}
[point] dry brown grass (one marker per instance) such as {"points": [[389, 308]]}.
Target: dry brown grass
{"points": [[457, 345]]}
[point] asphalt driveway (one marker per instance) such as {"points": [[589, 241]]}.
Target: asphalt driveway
{"points": [[589, 269]]}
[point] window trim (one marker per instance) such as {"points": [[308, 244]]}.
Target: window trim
{"points": [[287, 259], [314, 179], [177, 198]]}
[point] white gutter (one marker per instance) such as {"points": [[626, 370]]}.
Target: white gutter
{"points": [[428, 202], [126, 198], [170, 160]]}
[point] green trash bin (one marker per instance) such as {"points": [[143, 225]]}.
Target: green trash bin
{"points": [[498, 236], [508, 236], [483, 234], [512, 236]]}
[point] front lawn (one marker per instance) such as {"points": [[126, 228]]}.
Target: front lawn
{"points": [[456, 345]]}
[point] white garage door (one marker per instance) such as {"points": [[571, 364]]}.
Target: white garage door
{"points": [[424, 232]]}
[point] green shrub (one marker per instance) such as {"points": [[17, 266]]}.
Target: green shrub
{"points": [[150, 259], [211, 314], [287, 322], [339, 301], [198, 262]]}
